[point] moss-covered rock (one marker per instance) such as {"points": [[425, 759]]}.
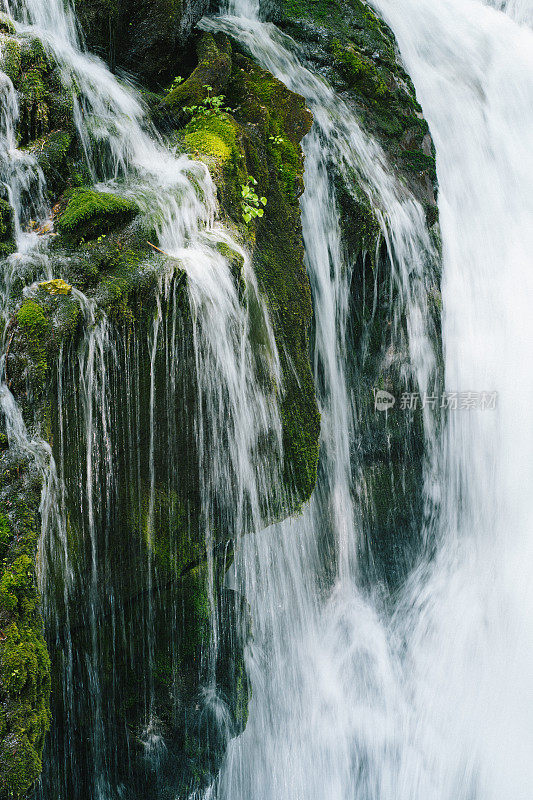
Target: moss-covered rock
{"points": [[259, 140], [357, 52], [52, 154], [276, 121], [33, 325], [213, 70], [89, 214], [45, 104], [6, 24], [24, 661], [35, 334], [10, 59], [147, 528]]}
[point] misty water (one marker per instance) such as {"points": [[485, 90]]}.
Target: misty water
{"points": [[363, 686]]}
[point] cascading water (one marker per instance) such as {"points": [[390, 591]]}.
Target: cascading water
{"points": [[469, 641], [433, 701], [519, 10], [418, 706], [327, 708]]}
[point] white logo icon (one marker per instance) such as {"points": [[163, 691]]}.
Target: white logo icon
{"points": [[383, 400]]}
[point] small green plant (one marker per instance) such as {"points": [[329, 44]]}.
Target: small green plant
{"points": [[251, 203], [175, 83], [276, 139], [211, 106]]}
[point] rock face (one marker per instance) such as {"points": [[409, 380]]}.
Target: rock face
{"points": [[144, 37], [356, 52]]}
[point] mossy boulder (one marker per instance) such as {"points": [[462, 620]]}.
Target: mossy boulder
{"points": [[45, 104], [34, 327], [356, 51], [88, 214], [6, 24], [51, 152], [35, 334], [10, 59], [213, 70]]}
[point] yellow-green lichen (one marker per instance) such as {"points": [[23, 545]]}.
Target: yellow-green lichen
{"points": [[56, 286]]}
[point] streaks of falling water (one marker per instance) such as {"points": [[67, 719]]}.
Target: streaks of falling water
{"points": [[436, 701], [327, 714], [235, 414], [471, 651]]}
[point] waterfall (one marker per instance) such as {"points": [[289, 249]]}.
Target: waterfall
{"points": [[433, 700], [328, 715], [468, 631], [357, 690]]}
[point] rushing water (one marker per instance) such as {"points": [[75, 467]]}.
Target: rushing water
{"points": [[355, 694], [435, 699], [327, 712], [469, 637]]}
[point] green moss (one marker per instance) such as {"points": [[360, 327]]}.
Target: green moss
{"points": [[236, 262], [7, 229], [89, 214], [128, 281], [361, 72], [11, 58], [24, 661], [356, 51], [35, 327], [214, 135], [214, 70], [274, 157], [32, 319], [5, 535], [16, 586], [51, 152], [25, 715]]}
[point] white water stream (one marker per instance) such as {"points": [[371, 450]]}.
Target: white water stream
{"points": [[434, 701]]}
